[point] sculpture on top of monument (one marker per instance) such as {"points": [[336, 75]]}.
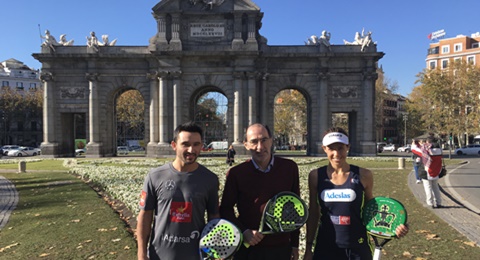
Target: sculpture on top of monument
{"points": [[324, 39], [63, 40], [92, 41], [361, 39], [106, 42], [50, 40]]}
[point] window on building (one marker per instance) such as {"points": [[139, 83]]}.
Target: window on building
{"points": [[457, 47], [457, 59], [445, 49], [20, 85], [444, 64], [471, 60], [33, 85], [433, 64], [475, 45], [5, 83]]}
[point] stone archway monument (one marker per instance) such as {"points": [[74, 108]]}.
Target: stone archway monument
{"points": [[201, 45]]}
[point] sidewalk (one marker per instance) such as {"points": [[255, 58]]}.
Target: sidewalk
{"points": [[453, 212], [8, 200]]}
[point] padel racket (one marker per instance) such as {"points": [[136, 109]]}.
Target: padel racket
{"points": [[220, 239], [381, 217], [285, 212]]}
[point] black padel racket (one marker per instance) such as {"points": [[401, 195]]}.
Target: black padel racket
{"points": [[285, 212], [220, 239], [381, 217]]}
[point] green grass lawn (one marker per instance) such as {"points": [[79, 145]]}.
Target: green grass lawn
{"points": [[60, 217]]}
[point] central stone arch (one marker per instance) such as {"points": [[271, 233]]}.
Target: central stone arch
{"points": [[200, 46]]}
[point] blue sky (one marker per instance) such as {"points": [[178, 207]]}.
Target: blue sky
{"points": [[399, 27]]}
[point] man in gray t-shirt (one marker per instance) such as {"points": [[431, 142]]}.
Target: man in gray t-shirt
{"points": [[174, 199]]}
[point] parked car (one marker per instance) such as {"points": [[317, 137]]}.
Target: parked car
{"points": [[406, 149], [80, 151], [135, 148], [469, 149], [390, 147], [7, 148], [380, 147], [24, 151], [122, 150]]}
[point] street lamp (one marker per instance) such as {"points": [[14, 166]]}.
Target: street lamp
{"points": [[405, 117]]}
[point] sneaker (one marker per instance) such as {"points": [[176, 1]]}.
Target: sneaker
{"points": [[419, 181]]}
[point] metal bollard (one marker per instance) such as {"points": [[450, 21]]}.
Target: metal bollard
{"points": [[401, 163]]}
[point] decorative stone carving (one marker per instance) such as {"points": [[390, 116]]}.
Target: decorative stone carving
{"points": [[92, 41], [63, 40], [207, 4], [72, 92], [344, 92], [46, 76], [51, 42], [91, 76], [106, 42]]}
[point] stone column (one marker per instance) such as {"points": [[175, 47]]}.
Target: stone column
{"points": [[238, 108], [175, 42], [237, 41], [252, 99], [177, 99], [251, 30], [49, 143], [153, 109], [263, 97], [323, 117], [367, 140], [163, 109], [161, 29], [94, 143]]}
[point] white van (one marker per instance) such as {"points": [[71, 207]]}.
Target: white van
{"points": [[218, 145]]}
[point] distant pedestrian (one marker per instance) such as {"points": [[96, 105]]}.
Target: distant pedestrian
{"points": [[417, 162], [231, 155], [429, 171]]}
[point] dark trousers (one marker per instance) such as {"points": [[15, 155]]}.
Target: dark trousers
{"points": [[263, 253]]}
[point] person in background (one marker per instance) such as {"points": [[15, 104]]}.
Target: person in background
{"points": [[174, 200], [334, 224], [231, 155], [249, 186], [417, 162], [431, 156]]}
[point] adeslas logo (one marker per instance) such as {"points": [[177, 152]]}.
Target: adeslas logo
{"points": [[338, 195]]}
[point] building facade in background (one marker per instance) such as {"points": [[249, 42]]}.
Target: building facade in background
{"points": [[19, 127], [445, 51]]}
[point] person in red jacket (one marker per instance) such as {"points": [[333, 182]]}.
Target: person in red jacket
{"points": [[249, 186]]}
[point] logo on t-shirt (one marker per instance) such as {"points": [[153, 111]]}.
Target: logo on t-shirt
{"points": [[340, 220], [143, 197], [338, 195], [181, 212]]}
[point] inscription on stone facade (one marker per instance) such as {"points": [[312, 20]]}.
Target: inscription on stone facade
{"points": [[344, 92], [207, 30], [72, 93]]}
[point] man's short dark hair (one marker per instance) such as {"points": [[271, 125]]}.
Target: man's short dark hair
{"points": [[190, 127]]}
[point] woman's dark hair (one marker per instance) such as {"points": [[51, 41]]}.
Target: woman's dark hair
{"points": [[190, 127], [335, 130]]}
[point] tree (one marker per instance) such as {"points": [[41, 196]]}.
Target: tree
{"points": [[447, 99], [290, 115], [208, 116], [130, 110]]}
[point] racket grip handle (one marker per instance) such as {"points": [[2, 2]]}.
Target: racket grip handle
{"points": [[377, 253]]}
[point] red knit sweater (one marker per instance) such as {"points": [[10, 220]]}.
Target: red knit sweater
{"points": [[250, 189]]}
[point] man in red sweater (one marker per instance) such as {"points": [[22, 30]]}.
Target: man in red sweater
{"points": [[249, 186]]}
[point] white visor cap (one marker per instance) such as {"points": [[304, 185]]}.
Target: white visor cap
{"points": [[334, 137]]}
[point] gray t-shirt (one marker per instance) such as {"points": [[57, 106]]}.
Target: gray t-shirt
{"points": [[179, 201]]}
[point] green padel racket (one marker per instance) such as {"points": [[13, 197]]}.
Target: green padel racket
{"points": [[285, 212], [381, 217], [220, 239]]}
